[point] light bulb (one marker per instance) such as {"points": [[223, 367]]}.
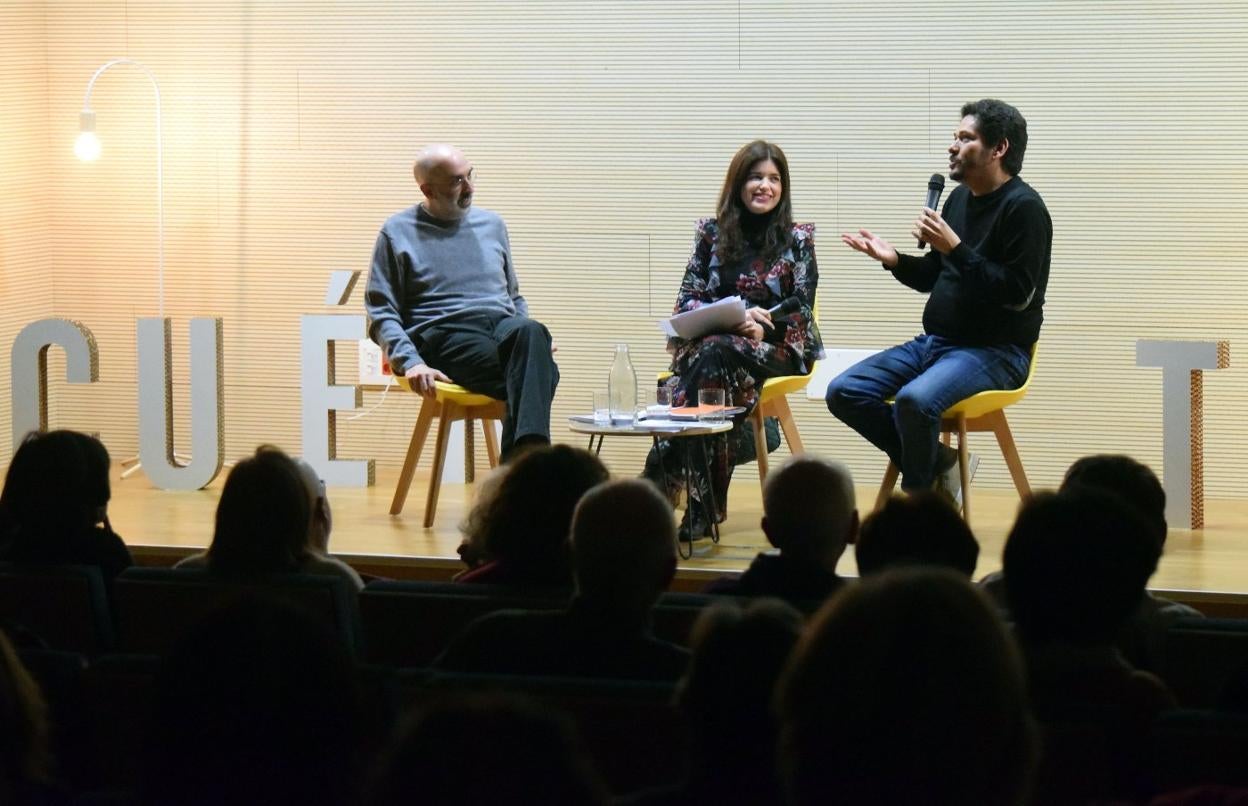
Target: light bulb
{"points": [[87, 147]]}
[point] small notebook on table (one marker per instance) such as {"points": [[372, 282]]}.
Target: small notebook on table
{"points": [[686, 413]]}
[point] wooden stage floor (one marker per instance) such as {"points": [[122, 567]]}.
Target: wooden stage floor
{"points": [[1204, 565]]}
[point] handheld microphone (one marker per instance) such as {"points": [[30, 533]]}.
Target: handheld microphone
{"points": [[935, 186], [790, 305]]}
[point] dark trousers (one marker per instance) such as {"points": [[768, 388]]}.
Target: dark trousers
{"points": [[505, 357]]}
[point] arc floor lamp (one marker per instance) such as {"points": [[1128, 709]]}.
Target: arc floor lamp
{"points": [[87, 148]]}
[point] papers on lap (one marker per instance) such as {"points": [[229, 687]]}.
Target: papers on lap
{"points": [[720, 316]]}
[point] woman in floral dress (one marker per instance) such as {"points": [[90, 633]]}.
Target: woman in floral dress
{"points": [[751, 249]]}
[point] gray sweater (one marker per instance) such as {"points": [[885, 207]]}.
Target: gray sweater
{"points": [[426, 271]]}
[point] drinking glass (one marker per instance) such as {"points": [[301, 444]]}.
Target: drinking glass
{"points": [[654, 402], [602, 408], [714, 400]]}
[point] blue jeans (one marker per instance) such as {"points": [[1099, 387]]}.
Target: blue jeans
{"points": [[924, 377]]}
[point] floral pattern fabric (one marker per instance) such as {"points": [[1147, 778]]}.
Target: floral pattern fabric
{"points": [[738, 364]]}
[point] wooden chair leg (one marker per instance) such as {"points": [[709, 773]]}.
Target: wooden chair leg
{"points": [[760, 442], [964, 469], [886, 486], [439, 460], [780, 408], [1005, 439], [470, 452], [428, 409], [491, 441]]}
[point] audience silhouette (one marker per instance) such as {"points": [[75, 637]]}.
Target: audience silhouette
{"points": [[517, 533], [1142, 638], [1075, 566], [623, 557], [25, 750], [486, 750], [273, 518], [921, 528], [809, 516], [258, 703], [726, 698], [320, 525], [54, 506], [906, 688]]}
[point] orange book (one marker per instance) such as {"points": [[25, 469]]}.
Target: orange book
{"points": [[695, 412]]}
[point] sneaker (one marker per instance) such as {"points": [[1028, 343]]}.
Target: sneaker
{"points": [[949, 480]]}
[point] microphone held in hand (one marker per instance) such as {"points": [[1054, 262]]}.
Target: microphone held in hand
{"points": [[935, 186], [790, 305]]}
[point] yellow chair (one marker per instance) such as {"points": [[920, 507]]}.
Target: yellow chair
{"points": [[978, 413], [772, 402], [450, 402]]}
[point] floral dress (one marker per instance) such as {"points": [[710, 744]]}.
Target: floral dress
{"points": [[738, 364]]}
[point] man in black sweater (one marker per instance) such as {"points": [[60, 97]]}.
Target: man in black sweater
{"points": [[986, 274]]}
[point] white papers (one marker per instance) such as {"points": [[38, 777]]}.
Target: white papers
{"points": [[717, 317]]}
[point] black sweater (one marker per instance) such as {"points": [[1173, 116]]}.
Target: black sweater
{"points": [[990, 288]]}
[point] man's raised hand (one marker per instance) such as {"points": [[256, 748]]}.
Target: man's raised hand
{"points": [[872, 246]]}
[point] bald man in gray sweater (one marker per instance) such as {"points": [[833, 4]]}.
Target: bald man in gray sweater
{"points": [[444, 304]]}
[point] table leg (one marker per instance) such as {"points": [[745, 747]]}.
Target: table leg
{"points": [[687, 467], [662, 465], [710, 508], [663, 478]]}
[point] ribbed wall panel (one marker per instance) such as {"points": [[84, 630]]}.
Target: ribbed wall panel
{"points": [[601, 131], [25, 260]]}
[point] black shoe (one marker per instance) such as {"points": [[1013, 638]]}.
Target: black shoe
{"points": [[698, 530], [523, 445]]}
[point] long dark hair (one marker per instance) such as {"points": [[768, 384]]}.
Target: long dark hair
{"points": [[769, 233], [262, 517], [56, 487]]}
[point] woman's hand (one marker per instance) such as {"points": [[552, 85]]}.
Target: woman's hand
{"points": [[757, 323]]}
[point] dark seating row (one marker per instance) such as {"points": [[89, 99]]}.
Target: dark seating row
{"points": [[100, 709], [408, 623], [631, 730], [394, 623], [65, 606], [1203, 657], [70, 608]]}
